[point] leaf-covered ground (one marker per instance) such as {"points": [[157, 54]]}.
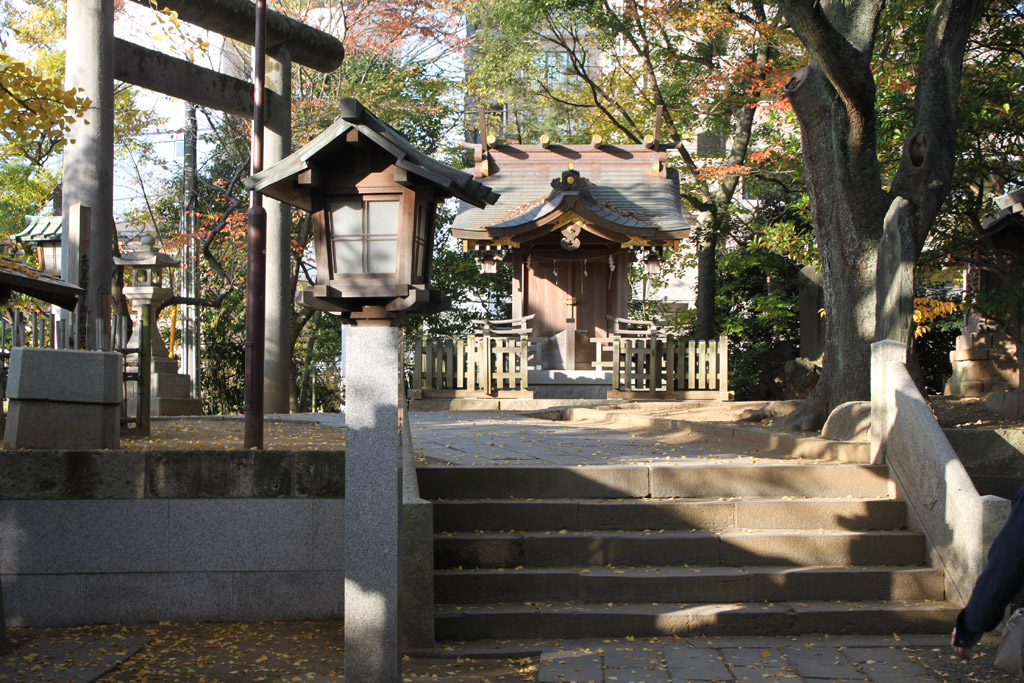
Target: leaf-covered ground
{"points": [[237, 653], [194, 433]]}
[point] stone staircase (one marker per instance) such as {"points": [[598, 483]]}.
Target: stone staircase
{"points": [[730, 549]]}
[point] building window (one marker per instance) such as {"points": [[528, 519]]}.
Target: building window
{"points": [[711, 144], [421, 246], [49, 257], [364, 236]]}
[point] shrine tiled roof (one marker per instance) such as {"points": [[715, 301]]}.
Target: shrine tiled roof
{"points": [[623, 189], [40, 229]]}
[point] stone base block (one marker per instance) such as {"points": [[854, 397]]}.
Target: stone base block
{"points": [[162, 406], [1007, 403], [170, 385], [69, 376], [969, 354], [60, 425]]}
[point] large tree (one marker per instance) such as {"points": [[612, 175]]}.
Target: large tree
{"points": [[835, 100], [598, 66]]}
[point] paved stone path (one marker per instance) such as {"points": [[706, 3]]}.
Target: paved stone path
{"points": [[660, 660]]}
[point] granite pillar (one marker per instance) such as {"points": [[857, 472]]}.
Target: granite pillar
{"points": [[89, 160], [277, 356], [373, 496]]}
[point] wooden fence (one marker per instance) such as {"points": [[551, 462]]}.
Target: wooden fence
{"points": [[474, 366], [666, 367]]}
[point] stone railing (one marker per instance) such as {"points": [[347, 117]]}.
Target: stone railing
{"points": [[945, 506]]}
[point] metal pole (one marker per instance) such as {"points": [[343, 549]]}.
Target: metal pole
{"points": [[255, 302]]}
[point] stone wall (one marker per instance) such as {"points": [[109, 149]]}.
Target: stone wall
{"points": [[120, 536]]}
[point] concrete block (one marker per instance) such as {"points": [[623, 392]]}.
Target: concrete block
{"points": [[168, 385], [824, 549], [470, 550], [857, 515], [319, 474], [647, 514], [163, 596], [71, 474], [969, 388], [83, 536], [44, 599], [665, 585], [506, 515], [627, 549], [329, 534], [66, 376], [801, 584], [1007, 403], [287, 596], [687, 663], [219, 474], [524, 585], [164, 406], [82, 426], [968, 354], [234, 535], [534, 482], [718, 481], [988, 372]]}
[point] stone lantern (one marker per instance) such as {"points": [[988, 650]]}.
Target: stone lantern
{"points": [[162, 391], [373, 198]]}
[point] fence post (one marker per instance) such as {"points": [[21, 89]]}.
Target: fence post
{"points": [[524, 363], [723, 366], [417, 365], [487, 364]]}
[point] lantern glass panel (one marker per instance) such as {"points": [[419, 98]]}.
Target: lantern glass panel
{"points": [[365, 236], [420, 248]]}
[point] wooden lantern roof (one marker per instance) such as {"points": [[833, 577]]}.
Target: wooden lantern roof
{"points": [[622, 194], [290, 179]]}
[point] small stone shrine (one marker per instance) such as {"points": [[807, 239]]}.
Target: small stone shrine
{"points": [[985, 358], [571, 220]]}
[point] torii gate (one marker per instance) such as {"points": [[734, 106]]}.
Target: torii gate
{"points": [[89, 162]]}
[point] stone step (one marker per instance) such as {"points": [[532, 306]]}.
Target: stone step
{"points": [[740, 480], [538, 620], [664, 548], [646, 513], [681, 584]]}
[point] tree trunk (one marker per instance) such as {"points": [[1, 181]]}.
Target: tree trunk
{"points": [[707, 257], [834, 100], [848, 206]]}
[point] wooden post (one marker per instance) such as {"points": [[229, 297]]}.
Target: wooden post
{"points": [[691, 364], [570, 344], [417, 365], [723, 366]]}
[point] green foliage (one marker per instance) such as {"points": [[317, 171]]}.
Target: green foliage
{"points": [[932, 347], [758, 308], [223, 355]]}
